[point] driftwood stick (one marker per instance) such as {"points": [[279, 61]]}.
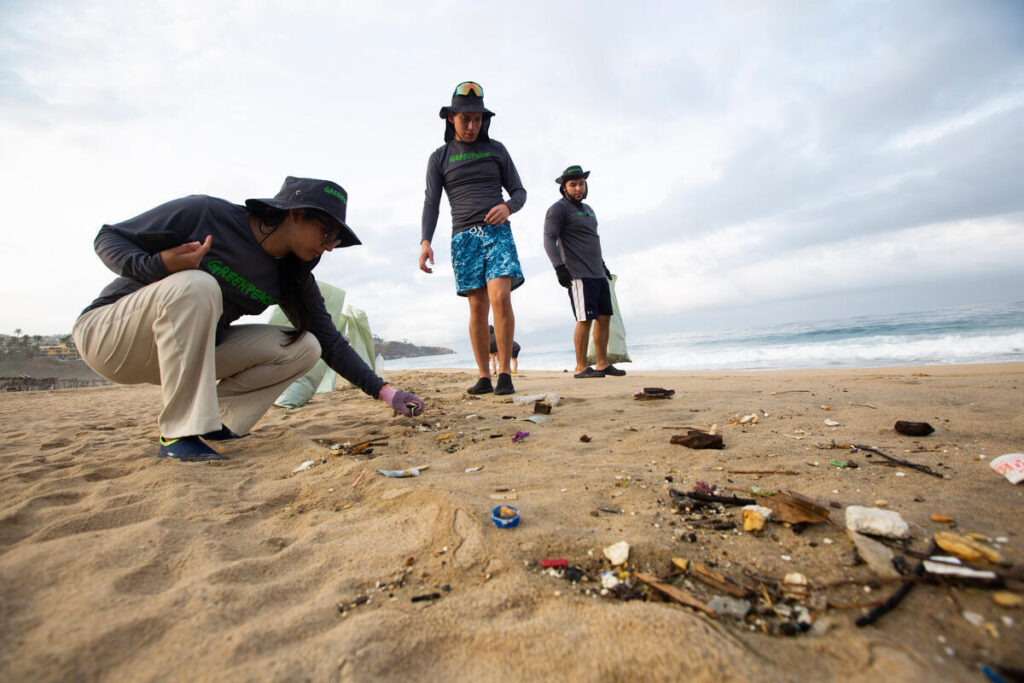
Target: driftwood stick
{"points": [[905, 463], [896, 598]]}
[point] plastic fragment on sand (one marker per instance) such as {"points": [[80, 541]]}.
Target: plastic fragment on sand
{"points": [[617, 553], [867, 520], [965, 548], [831, 423], [520, 436], [304, 466], [943, 565], [401, 474], [536, 419], [554, 562], [552, 399], [474, 469], [1007, 599], [941, 519], [1010, 466], [733, 607], [445, 436], [755, 516]]}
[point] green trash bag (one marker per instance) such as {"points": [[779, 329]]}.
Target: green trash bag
{"points": [[320, 379], [617, 352]]}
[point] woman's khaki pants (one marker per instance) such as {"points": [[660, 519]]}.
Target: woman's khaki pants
{"points": [[165, 333]]}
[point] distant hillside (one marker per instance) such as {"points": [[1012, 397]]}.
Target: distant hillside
{"points": [[403, 349]]}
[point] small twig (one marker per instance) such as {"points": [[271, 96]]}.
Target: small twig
{"points": [[905, 463], [761, 472], [863, 405], [696, 429], [855, 605], [790, 391]]}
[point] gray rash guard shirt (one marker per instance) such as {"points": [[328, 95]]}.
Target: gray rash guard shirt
{"points": [[249, 277], [472, 174], [570, 237]]}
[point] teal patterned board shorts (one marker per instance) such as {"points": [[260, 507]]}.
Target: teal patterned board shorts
{"points": [[483, 253]]}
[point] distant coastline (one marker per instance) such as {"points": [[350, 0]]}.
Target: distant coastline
{"points": [[390, 350]]}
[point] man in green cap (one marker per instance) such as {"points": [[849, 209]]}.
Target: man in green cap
{"points": [[572, 244]]}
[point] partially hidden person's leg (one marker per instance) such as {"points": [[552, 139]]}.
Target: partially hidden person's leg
{"points": [[503, 274], [162, 334], [255, 364], [480, 338], [601, 327], [581, 300], [499, 293], [579, 340]]}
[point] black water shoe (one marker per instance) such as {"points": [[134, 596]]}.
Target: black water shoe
{"points": [[482, 386], [504, 385]]}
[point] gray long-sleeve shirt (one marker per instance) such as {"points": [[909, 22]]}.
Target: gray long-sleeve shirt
{"points": [[472, 174], [570, 237], [249, 277]]}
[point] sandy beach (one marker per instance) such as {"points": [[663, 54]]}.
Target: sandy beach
{"points": [[117, 565]]}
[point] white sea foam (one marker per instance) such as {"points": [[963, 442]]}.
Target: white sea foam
{"points": [[980, 334]]}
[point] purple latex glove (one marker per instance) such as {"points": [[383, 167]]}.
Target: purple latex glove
{"points": [[401, 401]]}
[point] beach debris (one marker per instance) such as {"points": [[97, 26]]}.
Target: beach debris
{"points": [[506, 495], [887, 523], [359, 479], [681, 596], [795, 585], [1008, 599], [585, 438], [967, 548], [554, 563], [541, 408], [875, 554], [681, 562], [831, 423], [425, 597], [761, 472], [794, 508], [844, 464], [719, 581], [474, 469], [304, 466], [445, 436], [550, 398], [746, 419], [913, 428], [1010, 466], [697, 499], [698, 440], [520, 436], [944, 565], [363, 447], [401, 474], [505, 516], [536, 419], [617, 553], [896, 598], [941, 519], [890, 460], [653, 393], [730, 607], [755, 516], [826, 408]]}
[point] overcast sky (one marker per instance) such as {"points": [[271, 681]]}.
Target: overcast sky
{"points": [[751, 161]]}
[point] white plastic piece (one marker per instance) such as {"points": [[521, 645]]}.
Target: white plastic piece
{"points": [[304, 466], [1010, 466], [618, 553], [877, 522]]}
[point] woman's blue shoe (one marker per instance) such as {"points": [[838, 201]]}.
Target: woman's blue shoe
{"points": [[187, 449]]}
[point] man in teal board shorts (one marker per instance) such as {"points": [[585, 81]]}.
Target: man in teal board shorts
{"points": [[472, 169]]}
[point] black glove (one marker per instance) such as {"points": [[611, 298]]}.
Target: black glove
{"points": [[564, 276], [607, 273]]}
